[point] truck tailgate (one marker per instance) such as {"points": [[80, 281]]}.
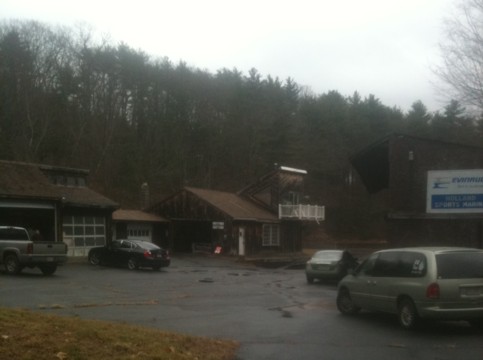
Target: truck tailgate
{"points": [[50, 251]]}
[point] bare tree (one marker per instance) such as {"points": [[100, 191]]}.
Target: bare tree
{"points": [[462, 54]]}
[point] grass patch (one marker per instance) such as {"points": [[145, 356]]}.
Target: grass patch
{"points": [[29, 335]]}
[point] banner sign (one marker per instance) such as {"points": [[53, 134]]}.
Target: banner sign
{"points": [[455, 191]]}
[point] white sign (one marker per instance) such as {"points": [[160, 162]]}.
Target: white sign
{"points": [[455, 191], [218, 225]]}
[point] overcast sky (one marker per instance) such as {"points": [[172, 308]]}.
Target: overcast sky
{"points": [[382, 47]]}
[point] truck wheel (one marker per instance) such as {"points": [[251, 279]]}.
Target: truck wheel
{"points": [[48, 269], [12, 265]]}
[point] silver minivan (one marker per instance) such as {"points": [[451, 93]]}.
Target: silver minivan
{"points": [[440, 283]]}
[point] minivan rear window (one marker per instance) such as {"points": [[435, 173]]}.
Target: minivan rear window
{"points": [[460, 265]]}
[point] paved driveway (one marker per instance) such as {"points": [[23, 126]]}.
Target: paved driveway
{"points": [[273, 313]]}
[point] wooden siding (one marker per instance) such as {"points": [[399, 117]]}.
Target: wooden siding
{"points": [[408, 178]]}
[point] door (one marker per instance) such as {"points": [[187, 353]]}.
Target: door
{"points": [[241, 241], [124, 252], [362, 283]]}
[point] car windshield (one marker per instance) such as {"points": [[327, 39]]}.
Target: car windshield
{"points": [[460, 265], [328, 255]]}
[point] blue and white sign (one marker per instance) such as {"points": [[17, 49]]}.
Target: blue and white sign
{"points": [[455, 191]]}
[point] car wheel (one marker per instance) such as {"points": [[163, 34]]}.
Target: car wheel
{"points": [[345, 304], [95, 258], [310, 279], [407, 314], [48, 269], [132, 264], [12, 265]]}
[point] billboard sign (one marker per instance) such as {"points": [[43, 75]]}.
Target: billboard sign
{"points": [[455, 191]]}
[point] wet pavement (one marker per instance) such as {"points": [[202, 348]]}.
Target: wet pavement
{"points": [[273, 313]]}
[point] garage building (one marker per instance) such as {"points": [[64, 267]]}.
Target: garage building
{"points": [[55, 202]]}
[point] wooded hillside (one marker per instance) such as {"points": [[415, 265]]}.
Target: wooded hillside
{"points": [[67, 99]]}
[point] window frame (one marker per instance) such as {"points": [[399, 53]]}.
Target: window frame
{"points": [[270, 235]]}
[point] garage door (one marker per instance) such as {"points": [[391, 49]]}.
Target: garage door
{"points": [[81, 233], [139, 232]]}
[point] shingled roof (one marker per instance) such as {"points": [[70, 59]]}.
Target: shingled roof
{"points": [[235, 206], [20, 180], [136, 215]]}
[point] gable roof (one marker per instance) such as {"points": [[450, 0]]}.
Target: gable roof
{"points": [[20, 180], [233, 205], [136, 215]]}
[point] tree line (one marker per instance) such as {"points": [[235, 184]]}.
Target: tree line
{"points": [[69, 99]]}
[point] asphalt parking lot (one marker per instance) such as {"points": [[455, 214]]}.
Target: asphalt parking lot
{"points": [[273, 313]]}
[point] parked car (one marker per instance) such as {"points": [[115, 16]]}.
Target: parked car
{"points": [[329, 265], [18, 251], [131, 253], [440, 283]]}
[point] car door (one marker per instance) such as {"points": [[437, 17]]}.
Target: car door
{"points": [[386, 275], [124, 252], [109, 253], [361, 284]]}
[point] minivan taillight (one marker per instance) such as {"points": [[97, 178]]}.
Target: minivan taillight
{"points": [[432, 291]]}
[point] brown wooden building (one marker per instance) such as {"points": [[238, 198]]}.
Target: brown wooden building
{"points": [[395, 171], [263, 218], [57, 202]]}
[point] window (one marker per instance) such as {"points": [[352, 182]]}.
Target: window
{"points": [[271, 235], [126, 245], [10, 233], [139, 232], [386, 264], [367, 267], [84, 232], [291, 198], [460, 265], [400, 264], [72, 180], [413, 264]]}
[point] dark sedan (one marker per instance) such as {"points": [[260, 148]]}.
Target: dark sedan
{"points": [[131, 253]]}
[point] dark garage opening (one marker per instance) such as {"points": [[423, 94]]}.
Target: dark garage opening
{"points": [[42, 220], [186, 233]]}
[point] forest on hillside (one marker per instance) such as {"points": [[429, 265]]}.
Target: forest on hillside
{"points": [[68, 99]]}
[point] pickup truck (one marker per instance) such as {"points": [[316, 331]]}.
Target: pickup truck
{"points": [[17, 251]]}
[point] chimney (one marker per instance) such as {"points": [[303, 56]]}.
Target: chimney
{"points": [[144, 196]]}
